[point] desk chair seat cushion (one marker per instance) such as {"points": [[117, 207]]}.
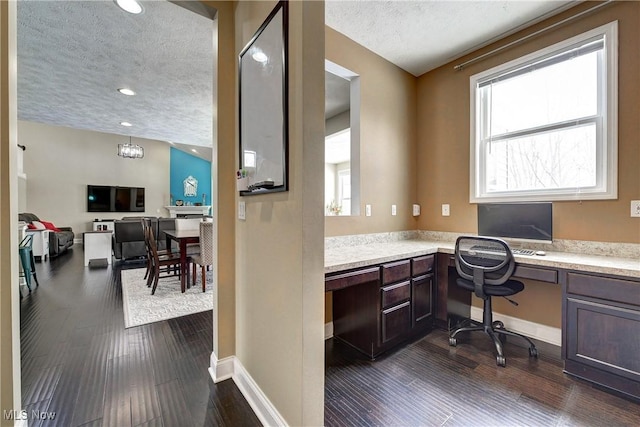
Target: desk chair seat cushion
{"points": [[510, 287]]}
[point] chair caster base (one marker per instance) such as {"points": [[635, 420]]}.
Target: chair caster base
{"points": [[453, 342], [501, 361], [533, 352]]}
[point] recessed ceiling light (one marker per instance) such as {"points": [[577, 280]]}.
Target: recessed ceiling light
{"points": [[126, 91], [127, 124], [131, 6], [194, 150]]}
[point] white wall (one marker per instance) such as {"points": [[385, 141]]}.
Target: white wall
{"points": [[59, 163]]}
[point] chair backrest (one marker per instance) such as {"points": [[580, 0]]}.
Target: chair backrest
{"points": [[188, 223], [129, 230], [484, 260], [26, 242], [206, 242], [152, 248]]}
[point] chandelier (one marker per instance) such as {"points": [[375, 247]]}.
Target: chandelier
{"points": [[130, 151]]}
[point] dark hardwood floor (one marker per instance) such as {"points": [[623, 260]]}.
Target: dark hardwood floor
{"points": [[80, 363], [428, 383]]}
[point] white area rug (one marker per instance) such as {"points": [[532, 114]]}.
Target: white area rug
{"points": [[140, 307]]}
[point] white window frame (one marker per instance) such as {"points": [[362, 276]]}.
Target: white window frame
{"points": [[607, 168]]}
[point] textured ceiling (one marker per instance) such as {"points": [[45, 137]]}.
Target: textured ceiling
{"points": [[419, 36], [74, 55]]}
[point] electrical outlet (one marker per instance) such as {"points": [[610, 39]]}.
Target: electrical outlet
{"points": [[416, 210], [635, 208], [367, 210], [242, 211], [446, 210], [393, 210]]}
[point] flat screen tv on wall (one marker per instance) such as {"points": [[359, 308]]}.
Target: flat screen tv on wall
{"points": [[106, 198], [516, 221]]}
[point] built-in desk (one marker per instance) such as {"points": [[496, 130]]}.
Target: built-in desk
{"points": [[600, 303]]}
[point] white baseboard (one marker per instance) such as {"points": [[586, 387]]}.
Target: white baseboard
{"points": [[222, 369], [231, 367], [263, 408], [533, 330], [328, 330]]}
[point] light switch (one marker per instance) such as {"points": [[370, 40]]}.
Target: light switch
{"points": [[446, 211], [242, 211], [635, 208], [416, 210], [367, 210], [394, 211]]}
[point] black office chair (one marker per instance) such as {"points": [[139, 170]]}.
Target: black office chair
{"points": [[485, 266]]}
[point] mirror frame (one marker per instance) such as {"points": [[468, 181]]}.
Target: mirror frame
{"points": [[255, 108]]}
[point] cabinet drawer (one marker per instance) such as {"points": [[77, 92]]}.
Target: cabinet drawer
{"points": [[422, 265], [396, 321], [606, 288], [396, 271], [352, 278], [535, 273], [394, 294]]}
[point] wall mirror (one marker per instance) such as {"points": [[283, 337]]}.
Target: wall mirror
{"points": [[342, 141], [263, 106]]}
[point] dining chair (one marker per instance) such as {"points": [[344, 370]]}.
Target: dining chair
{"points": [[27, 261], [168, 263], [147, 228], [205, 257], [190, 224]]}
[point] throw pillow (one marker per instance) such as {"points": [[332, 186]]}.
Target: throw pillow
{"points": [[50, 226], [39, 225]]}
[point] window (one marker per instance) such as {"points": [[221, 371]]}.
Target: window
{"points": [[344, 187], [544, 127]]}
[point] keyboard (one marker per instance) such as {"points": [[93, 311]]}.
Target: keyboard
{"points": [[523, 252], [494, 249]]}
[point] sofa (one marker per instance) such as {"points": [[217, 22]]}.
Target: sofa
{"points": [[128, 237], [60, 238]]}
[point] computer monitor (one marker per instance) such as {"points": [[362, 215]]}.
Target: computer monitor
{"points": [[525, 222]]}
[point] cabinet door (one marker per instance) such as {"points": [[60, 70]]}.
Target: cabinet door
{"points": [[422, 299], [396, 321], [604, 336]]}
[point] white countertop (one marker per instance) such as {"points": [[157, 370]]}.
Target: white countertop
{"points": [[349, 257]]}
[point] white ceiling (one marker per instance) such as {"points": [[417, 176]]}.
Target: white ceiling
{"points": [[73, 55], [419, 36]]}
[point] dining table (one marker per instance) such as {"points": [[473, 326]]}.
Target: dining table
{"points": [[183, 238]]}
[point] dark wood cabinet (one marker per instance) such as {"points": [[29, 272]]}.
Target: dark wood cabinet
{"points": [[422, 300], [602, 331], [380, 307], [396, 321]]}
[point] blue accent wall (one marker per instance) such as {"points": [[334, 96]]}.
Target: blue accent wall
{"points": [[181, 166]]}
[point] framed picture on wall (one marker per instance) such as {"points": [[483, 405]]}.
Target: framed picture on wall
{"points": [[263, 119]]}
